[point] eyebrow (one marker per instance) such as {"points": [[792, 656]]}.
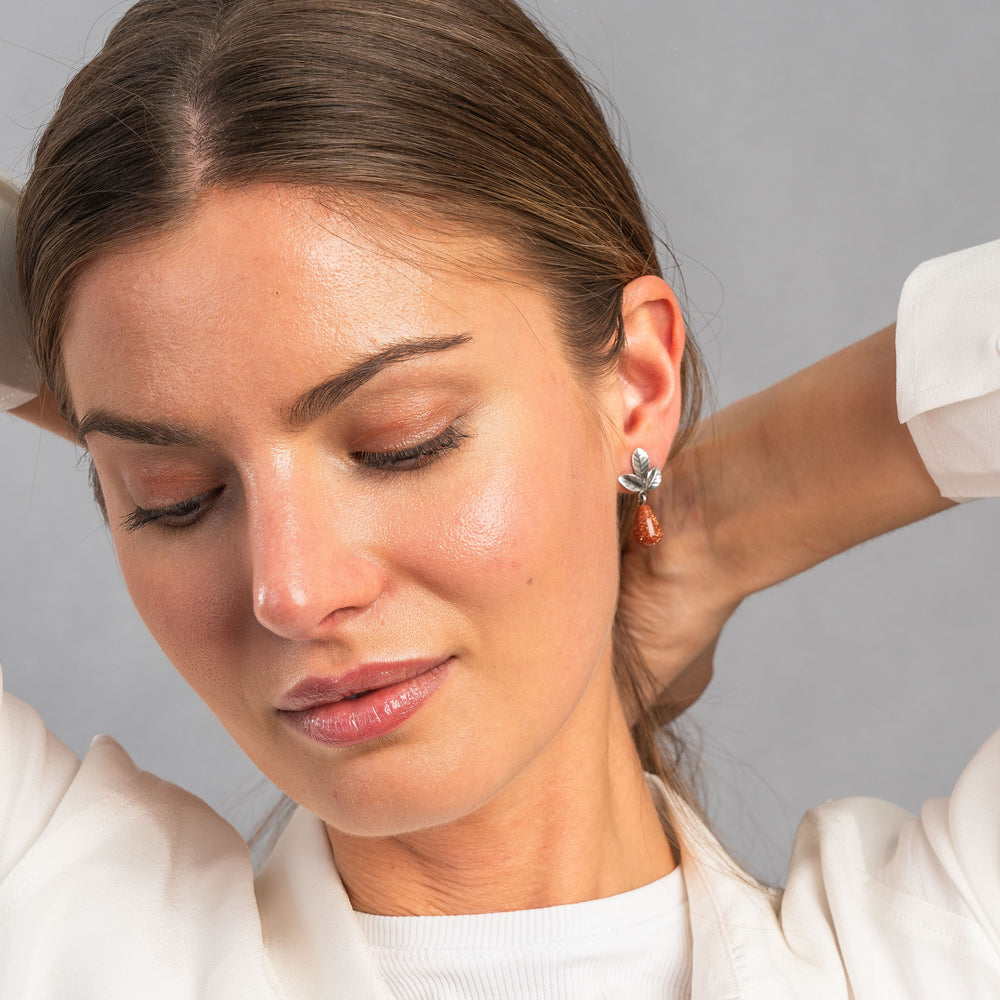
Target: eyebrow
{"points": [[311, 405], [143, 431], [331, 393]]}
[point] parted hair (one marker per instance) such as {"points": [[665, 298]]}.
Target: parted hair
{"points": [[462, 111]]}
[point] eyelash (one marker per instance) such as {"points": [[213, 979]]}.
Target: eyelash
{"points": [[187, 512], [177, 515], [416, 457]]}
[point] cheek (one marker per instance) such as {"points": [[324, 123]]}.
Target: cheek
{"points": [[190, 603], [525, 536]]}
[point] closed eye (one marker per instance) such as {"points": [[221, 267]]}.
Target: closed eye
{"points": [[176, 515], [415, 457], [187, 512]]}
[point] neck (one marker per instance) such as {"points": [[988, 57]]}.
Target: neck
{"points": [[578, 824]]}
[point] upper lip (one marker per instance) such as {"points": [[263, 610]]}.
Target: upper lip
{"points": [[314, 691]]}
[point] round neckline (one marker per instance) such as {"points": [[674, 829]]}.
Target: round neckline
{"points": [[540, 926]]}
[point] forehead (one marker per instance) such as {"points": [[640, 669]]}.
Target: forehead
{"points": [[262, 283]]}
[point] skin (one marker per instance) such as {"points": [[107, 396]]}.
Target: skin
{"points": [[515, 784], [751, 501], [769, 487]]}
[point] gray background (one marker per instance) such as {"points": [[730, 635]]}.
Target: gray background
{"points": [[805, 156]]}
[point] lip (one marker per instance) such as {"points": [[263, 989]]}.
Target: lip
{"points": [[369, 701]]}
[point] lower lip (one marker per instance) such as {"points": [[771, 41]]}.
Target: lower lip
{"points": [[376, 713]]}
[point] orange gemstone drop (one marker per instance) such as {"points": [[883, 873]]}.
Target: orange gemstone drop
{"points": [[647, 529]]}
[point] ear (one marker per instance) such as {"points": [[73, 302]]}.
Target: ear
{"points": [[649, 373]]}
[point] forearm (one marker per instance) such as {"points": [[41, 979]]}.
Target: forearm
{"points": [[807, 469], [44, 411]]}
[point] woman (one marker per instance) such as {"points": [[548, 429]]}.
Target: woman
{"points": [[731, 128], [339, 374]]}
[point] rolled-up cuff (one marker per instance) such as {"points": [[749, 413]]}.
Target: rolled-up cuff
{"points": [[948, 369], [960, 446], [19, 378]]}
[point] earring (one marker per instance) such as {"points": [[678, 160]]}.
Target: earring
{"points": [[641, 479]]}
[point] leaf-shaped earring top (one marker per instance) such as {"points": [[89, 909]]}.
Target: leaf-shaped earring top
{"points": [[643, 476]]}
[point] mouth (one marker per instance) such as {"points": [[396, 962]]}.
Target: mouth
{"points": [[369, 701]]}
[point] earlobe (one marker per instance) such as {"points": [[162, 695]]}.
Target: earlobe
{"points": [[649, 373]]}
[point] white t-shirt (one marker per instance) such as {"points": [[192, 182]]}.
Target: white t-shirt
{"points": [[636, 945]]}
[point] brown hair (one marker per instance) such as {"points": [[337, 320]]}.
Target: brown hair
{"points": [[461, 109]]}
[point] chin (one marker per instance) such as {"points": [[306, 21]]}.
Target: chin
{"points": [[374, 810], [399, 788]]}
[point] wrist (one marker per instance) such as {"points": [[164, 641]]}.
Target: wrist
{"points": [[702, 554]]}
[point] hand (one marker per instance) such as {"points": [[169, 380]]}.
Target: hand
{"points": [[768, 487], [675, 597]]}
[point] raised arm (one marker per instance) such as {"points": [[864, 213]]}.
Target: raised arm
{"points": [[782, 480], [810, 467], [770, 486]]}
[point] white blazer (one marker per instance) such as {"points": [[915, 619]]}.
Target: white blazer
{"points": [[114, 885]]}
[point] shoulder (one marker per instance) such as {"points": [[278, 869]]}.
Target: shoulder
{"points": [[111, 876], [913, 901], [879, 903], [36, 772]]}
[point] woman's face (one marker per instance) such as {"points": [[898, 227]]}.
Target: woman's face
{"points": [[362, 502]]}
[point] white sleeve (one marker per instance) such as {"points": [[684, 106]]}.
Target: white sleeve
{"points": [[36, 771], [19, 379], [948, 369]]}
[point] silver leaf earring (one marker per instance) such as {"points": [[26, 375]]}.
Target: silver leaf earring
{"points": [[643, 478]]}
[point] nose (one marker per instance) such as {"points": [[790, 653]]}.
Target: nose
{"points": [[312, 564]]}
